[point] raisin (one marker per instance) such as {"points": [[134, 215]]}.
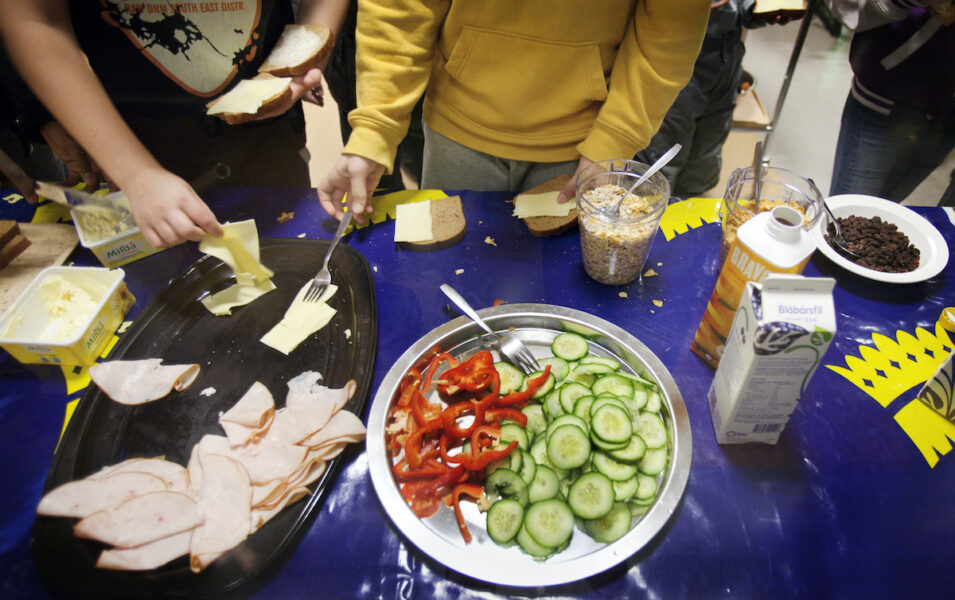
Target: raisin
{"points": [[880, 245]]}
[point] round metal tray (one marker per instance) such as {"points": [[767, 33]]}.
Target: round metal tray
{"points": [[438, 536]]}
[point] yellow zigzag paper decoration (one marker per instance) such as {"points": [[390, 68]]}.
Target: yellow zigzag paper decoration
{"points": [[889, 369], [679, 217]]}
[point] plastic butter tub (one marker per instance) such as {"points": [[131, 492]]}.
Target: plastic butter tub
{"points": [[115, 249], [66, 315]]}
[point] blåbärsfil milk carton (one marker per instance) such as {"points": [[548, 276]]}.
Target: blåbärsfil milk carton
{"points": [[779, 335]]}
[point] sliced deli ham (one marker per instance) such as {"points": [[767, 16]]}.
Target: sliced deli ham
{"points": [[225, 503], [141, 519], [87, 496], [134, 382], [250, 417], [148, 556]]}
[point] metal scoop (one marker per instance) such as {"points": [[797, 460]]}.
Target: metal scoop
{"points": [[659, 164]]}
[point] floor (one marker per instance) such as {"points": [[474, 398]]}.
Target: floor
{"points": [[803, 141]]}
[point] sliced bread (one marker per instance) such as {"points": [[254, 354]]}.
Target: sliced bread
{"points": [[13, 249], [299, 48], [447, 224], [250, 98], [547, 226]]}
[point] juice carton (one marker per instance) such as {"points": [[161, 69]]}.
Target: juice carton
{"points": [[781, 332], [770, 242]]}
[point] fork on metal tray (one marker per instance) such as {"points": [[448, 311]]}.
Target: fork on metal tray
{"points": [[323, 278], [510, 346]]}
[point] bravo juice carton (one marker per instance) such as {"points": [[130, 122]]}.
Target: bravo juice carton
{"points": [[779, 335]]}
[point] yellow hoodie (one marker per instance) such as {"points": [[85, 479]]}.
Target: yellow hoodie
{"points": [[534, 80]]}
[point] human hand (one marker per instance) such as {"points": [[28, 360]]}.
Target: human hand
{"points": [[353, 175], [81, 166], [570, 188], [168, 210]]}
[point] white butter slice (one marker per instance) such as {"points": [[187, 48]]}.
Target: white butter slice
{"points": [[301, 320], [540, 205], [413, 222], [248, 95]]}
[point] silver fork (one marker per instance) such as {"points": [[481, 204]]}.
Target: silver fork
{"points": [[512, 348], [323, 278]]}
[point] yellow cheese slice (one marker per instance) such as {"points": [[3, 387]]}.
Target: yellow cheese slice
{"points": [[239, 248], [413, 222], [222, 302], [247, 96], [301, 320], [540, 205]]}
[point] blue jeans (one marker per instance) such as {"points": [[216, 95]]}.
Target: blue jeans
{"points": [[887, 156]]}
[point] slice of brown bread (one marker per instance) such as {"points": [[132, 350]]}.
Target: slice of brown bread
{"points": [[447, 224], [13, 249], [8, 229], [547, 226], [235, 118], [298, 49]]}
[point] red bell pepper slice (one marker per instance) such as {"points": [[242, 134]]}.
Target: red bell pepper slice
{"points": [[472, 375], [470, 489], [495, 415], [451, 414], [433, 366], [532, 386], [482, 452], [413, 445], [422, 505], [409, 384], [429, 470]]}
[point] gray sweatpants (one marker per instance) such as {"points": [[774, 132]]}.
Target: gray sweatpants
{"points": [[450, 166]]}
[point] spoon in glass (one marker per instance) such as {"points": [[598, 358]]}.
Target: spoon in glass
{"points": [[659, 164]]}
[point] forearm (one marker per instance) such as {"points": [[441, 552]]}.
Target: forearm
{"points": [[41, 44], [329, 12], [396, 45], [655, 60]]}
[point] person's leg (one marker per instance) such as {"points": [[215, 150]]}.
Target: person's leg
{"points": [[886, 156], [525, 175], [449, 165], [705, 156]]}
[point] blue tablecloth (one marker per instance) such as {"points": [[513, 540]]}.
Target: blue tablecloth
{"points": [[854, 501]]}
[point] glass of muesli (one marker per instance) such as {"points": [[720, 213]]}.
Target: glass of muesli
{"points": [[617, 224]]}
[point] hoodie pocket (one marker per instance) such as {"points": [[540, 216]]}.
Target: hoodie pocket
{"points": [[515, 82]]}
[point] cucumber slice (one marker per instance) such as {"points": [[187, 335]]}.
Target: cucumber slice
{"points": [[613, 469], [507, 484], [612, 526], [551, 404], [529, 545], [539, 452], [504, 520], [609, 399], [511, 432], [600, 360], [545, 485], [569, 395], [568, 447], [528, 468], [592, 369], [638, 401], [652, 430], [646, 487], [615, 384], [611, 423], [582, 408], [565, 420], [570, 346], [577, 376], [624, 490], [550, 522], [654, 401], [607, 446], [559, 367], [536, 422], [635, 449], [511, 377], [591, 496], [653, 462]]}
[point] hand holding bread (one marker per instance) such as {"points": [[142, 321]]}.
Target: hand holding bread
{"points": [[290, 71]]}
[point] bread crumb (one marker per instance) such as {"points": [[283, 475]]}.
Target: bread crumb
{"points": [[490, 241], [659, 264], [208, 392], [649, 273], [348, 334], [285, 217], [375, 268], [622, 294], [658, 303], [301, 235], [459, 272]]}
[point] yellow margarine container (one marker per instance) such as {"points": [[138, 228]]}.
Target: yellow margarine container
{"points": [[66, 315], [112, 249]]}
